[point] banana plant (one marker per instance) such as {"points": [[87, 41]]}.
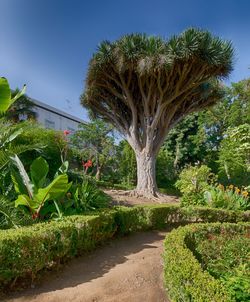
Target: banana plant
{"points": [[9, 133], [5, 95], [34, 191]]}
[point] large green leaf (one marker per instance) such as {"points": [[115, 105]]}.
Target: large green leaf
{"points": [[63, 169], [5, 95], [17, 180], [24, 175], [19, 94], [6, 139], [55, 190], [23, 200], [39, 170]]}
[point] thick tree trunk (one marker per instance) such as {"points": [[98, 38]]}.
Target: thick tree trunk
{"points": [[146, 179]]}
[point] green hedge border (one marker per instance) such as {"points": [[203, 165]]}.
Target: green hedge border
{"points": [[28, 250], [185, 280]]}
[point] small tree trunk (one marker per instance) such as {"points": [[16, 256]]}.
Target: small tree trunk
{"points": [[98, 173], [146, 179]]}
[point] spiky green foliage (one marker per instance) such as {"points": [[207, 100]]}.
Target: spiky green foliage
{"points": [[10, 217], [144, 85], [8, 147]]}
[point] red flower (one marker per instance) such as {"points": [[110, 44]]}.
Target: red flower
{"points": [[66, 132], [88, 164]]}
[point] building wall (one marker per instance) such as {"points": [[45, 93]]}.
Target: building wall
{"points": [[54, 118], [55, 121]]}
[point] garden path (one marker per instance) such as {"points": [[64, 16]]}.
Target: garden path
{"points": [[128, 269], [124, 198]]}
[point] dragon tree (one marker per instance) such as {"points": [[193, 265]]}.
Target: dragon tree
{"points": [[144, 85]]}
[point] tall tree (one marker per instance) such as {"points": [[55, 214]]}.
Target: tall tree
{"points": [[145, 85], [234, 156], [186, 142], [232, 111], [95, 142]]}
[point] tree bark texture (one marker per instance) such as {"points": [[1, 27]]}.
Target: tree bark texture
{"points": [[146, 178]]}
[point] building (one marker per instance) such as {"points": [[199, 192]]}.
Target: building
{"points": [[53, 118]]}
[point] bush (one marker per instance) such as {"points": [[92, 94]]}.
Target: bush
{"points": [[234, 155], [192, 183], [184, 278], [225, 257], [26, 251], [51, 141], [231, 198], [88, 197]]}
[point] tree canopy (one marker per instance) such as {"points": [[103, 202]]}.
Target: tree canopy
{"points": [[140, 80], [144, 85]]}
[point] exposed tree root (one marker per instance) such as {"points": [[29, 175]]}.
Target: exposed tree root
{"points": [[156, 196]]}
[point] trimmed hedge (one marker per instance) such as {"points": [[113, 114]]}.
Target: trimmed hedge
{"points": [[184, 278], [26, 251]]}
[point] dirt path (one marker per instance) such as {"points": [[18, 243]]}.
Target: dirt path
{"points": [[129, 269], [123, 198]]}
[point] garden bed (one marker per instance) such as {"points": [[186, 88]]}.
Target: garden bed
{"points": [[194, 264], [28, 250]]}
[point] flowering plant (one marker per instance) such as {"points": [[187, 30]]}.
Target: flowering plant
{"points": [[66, 132], [87, 165], [229, 197]]}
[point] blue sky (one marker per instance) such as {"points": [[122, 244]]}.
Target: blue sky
{"points": [[47, 43]]}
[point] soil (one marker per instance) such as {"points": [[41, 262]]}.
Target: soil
{"points": [[124, 198], [128, 269]]}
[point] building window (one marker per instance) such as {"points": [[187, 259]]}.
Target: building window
{"points": [[49, 124]]}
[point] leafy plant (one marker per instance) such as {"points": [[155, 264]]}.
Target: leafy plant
{"points": [[192, 183], [185, 278], [231, 198], [52, 142], [234, 155], [10, 217], [225, 257], [87, 196], [34, 192], [237, 282], [5, 95]]}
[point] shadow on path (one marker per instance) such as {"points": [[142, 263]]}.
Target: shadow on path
{"points": [[93, 265]]}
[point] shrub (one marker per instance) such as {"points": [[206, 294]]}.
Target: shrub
{"points": [[225, 257], [87, 196], [11, 217], [192, 183], [184, 278], [234, 153], [231, 198], [26, 251], [51, 141]]}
